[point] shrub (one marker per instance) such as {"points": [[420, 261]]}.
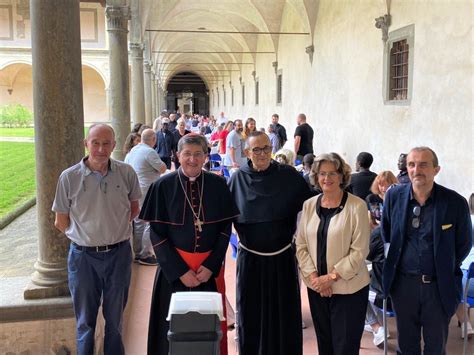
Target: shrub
{"points": [[15, 115]]}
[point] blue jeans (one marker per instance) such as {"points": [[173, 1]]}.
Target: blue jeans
{"points": [[94, 276]]}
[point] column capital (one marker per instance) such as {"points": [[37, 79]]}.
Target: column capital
{"points": [[137, 50], [117, 18], [147, 64]]}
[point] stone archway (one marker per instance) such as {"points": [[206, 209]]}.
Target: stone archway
{"points": [[16, 80], [94, 96], [188, 91]]}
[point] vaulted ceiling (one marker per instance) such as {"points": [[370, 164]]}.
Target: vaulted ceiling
{"points": [[215, 37]]}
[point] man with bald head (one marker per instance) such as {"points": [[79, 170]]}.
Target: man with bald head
{"points": [[95, 203], [269, 196], [147, 164], [428, 228]]}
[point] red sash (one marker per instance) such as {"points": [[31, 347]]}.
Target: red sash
{"points": [[194, 260]]}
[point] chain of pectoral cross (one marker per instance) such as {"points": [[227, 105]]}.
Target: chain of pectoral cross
{"points": [[197, 222]]}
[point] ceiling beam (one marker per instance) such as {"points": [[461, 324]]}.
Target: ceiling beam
{"points": [[208, 63], [216, 52], [184, 70], [229, 32]]}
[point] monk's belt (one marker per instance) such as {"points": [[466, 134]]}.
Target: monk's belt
{"points": [[265, 254]]}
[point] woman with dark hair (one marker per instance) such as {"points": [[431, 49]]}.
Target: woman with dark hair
{"points": [[250, 126], [131, 141], [332, 243]]}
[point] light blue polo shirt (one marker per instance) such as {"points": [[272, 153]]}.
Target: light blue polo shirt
{"points": [[98, 206]]}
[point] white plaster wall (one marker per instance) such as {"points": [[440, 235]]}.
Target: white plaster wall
{"points": [[341, 92]]}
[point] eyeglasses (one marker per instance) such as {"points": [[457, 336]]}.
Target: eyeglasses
{"points": [[331, 174], [197, 155], [257, 150], [415, 222]]}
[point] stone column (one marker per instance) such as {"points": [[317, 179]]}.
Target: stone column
{"points": [[154, 102], [138, 100], [117, 28], [59, 127], [148, 95], [165, 100], [159, 106]]}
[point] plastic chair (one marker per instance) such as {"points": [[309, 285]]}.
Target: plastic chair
{"points": [[234, 243], [225, 173], [215, 162], [467, 302]]}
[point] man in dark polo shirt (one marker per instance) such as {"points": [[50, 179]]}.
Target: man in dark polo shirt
{"points": [[428, 228], [362, 180], [303, 137]]}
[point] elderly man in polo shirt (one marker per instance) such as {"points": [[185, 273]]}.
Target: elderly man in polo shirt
{"points": [[96, 201]]}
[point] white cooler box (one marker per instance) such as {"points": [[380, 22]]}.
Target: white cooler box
{"points": [[195, 323]]}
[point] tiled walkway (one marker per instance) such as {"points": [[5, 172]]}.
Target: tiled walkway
{"points": [[18, 251]]}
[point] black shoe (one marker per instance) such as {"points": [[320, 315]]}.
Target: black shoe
{"points": [[150, 261]]}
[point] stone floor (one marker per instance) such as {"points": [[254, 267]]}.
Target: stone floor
{"points": [[18, 252], [18, 246]]}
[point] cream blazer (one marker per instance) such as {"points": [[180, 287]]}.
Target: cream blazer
{"points": [[347, 244]]}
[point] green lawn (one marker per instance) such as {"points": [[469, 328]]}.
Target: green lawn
{"points": [[17, 174], [21, 132], [17, 132]]}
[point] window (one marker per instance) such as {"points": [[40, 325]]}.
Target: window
{"points": [[256, 91], [232, 96], [398, 66], [399, 70], [279, 87], [243, 94]]}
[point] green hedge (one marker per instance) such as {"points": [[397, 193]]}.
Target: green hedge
{"points": [[15, 115]]}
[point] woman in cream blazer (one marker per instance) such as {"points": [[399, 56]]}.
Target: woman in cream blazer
{"points": [[331, 246]]}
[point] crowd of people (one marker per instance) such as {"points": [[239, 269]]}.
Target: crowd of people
{"points": [[297, 216]]}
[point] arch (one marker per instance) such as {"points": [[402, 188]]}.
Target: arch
{"points": [[94, 94], [101, 74], [16, 61], [16, 83]]}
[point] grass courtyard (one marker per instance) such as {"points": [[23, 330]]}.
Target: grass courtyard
{"points": [[17, 173]]}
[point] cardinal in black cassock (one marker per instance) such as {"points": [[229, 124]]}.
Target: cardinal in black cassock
{"points": [[268, 297], [191, 221]]}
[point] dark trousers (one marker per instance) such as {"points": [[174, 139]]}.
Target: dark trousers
{"points": [[419, 310], [339, 321], [167, 162]]}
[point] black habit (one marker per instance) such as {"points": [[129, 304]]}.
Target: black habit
{"points": [[268, 298], [173, 227]]}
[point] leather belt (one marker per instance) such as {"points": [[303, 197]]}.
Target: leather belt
{"points": [[425, 279], [99, 249]]}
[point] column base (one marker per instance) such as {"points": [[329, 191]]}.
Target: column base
{"points": [[33, 291]]}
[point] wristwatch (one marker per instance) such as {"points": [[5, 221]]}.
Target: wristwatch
{"points": [[333, 276]]}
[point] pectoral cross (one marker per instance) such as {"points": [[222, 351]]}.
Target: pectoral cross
{"points": [[198, 223]]}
